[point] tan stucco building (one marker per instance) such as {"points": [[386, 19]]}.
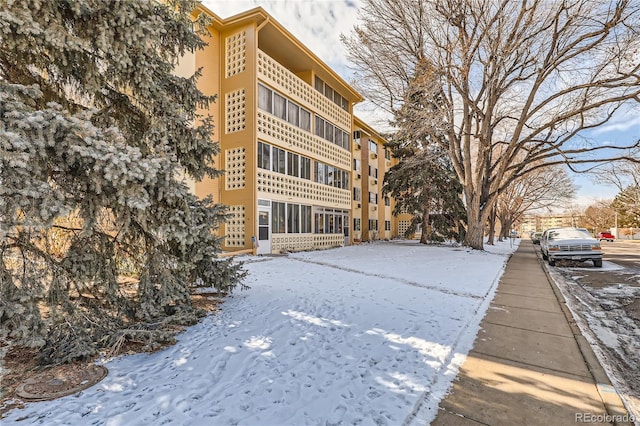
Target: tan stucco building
{"points": [[301, 171]]}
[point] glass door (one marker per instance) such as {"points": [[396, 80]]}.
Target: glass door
{"points": [[264, 230]]}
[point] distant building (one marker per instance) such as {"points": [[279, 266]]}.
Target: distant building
{"points": [[539, 223]]}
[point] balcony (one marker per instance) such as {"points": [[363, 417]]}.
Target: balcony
{"points": [[269, 70]]}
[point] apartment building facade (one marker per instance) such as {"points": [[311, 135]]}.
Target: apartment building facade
{"points": [[295, 177], [539, 223]]}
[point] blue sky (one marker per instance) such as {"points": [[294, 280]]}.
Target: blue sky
{"points": [[319, 23]]}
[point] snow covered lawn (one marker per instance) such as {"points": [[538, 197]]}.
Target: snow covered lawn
{"points": [[368, 335]]}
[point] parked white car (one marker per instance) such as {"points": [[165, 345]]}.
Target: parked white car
{"points": [[570, 244]]}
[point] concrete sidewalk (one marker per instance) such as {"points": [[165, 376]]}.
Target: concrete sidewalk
{"points": [[529, 364]]}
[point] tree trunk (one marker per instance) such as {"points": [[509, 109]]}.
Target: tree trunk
{"points": [[505, 228], [475, 227], [492, 226], [426, 231]]}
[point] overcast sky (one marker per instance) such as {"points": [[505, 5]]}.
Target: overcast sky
{"points": [[319, 23]]}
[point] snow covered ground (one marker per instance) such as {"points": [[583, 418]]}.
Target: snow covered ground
{"points": [[603, 320], [365, 335]]}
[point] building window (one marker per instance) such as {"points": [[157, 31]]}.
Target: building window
{"points": [[280, 106], [305, 168], [373, 197], [387, 201], [276, 104], [373, 147], [290, 218], [329, 175], [305, 120], [293, 164], [387, 153], [328, 221], [357, 194], [356, 224], [281, 161], [293, 113], [373, 225], [328, 131], [264, 156], [293, 218], [278, 163], [373, 172], [331, 94], [277, 217], [357, 165], [265, 98], [305, 214], [387, 225]]}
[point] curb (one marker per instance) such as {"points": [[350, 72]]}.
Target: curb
{"points": [[610, 398]]}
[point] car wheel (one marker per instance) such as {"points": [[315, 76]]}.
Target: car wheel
{"points": [[597, 263], [552, 262], [544, 256]]}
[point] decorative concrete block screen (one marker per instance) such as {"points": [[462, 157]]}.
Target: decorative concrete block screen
{"points": [[302, 189], [235, 111], [283, 79], [236, 53], [403, 225], [281, 133], [292, 242], [235, 168], [235, 227]]}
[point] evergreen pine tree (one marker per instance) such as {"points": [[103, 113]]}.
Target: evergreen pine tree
{"points": [[96, 137], [424, 182]]}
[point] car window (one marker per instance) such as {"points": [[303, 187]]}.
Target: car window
{"points": [[569, 234]]}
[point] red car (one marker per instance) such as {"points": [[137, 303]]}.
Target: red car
{"points": [[607, 236]]}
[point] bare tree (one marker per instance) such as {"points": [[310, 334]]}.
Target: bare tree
{"points": [[620, 174], [520, 81], [542, 187], [598, 216]]}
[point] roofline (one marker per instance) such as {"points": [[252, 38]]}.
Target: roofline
{"points": [[358, 122], [261, 17]]}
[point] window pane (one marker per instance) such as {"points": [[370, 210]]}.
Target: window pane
{"points": [[346, 144], [293, 218], [305, 213], [278, 163], [319, 85], [337, 98], [321, 170], [264, 98], [305, 168], [292, 164], [264, 154], [337, 136], [319, 223], [281, 161], [373, 147], [277, 218], [293, 113], [279, 106], [305, 119], [319, 127], [328, 131], [328, 91]]}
